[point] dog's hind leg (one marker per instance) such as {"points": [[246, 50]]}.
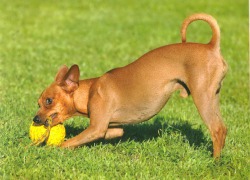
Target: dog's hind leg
{"points": [[206, 100]]}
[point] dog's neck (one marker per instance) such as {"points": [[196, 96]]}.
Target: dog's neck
{"points": [[81, 96]]}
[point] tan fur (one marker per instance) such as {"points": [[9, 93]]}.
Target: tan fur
{"points": [[138, 91]]}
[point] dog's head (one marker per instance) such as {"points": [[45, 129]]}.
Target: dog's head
{"points": [[56, 101]]}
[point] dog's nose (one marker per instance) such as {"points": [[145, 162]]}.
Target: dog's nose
{"points": [[37, 119]]}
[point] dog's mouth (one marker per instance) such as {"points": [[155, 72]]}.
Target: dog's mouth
{"points": [[52, 116]]}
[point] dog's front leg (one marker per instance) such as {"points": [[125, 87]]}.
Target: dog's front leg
{"points": [[92, 133], [114, 133], [96, 130], [99, 112]]}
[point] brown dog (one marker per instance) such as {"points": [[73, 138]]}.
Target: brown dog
{"points": [[138, 91]]}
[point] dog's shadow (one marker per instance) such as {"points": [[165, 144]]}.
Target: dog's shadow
{"points": [[152, 130]]}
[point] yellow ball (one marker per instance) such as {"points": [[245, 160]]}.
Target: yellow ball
{"points": [[54, 137]]}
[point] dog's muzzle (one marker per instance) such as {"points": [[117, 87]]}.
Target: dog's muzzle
{"points": [[37, 119]]}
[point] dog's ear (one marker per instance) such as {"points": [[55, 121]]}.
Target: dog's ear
{"points": [[61, 74], [69, 81]]}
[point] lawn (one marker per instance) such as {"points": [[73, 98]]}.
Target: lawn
{"points": [[37, 37]]}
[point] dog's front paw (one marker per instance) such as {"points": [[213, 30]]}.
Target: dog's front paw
{"points": [[65, 144]]}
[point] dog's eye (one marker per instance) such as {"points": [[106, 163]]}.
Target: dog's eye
{"points": [[49, 101]]}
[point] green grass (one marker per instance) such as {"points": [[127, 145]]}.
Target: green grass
{"points": [[37, 37]]}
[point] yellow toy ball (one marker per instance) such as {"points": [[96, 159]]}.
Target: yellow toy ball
{"points": [[52, 136]]}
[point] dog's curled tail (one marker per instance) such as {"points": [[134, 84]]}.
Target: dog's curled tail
{"points": [[215, 41]]}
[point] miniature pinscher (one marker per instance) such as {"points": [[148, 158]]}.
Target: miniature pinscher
{"points": [[138, 91]]}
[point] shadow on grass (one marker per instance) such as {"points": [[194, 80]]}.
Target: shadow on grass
{"points": [[152, 130]]}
